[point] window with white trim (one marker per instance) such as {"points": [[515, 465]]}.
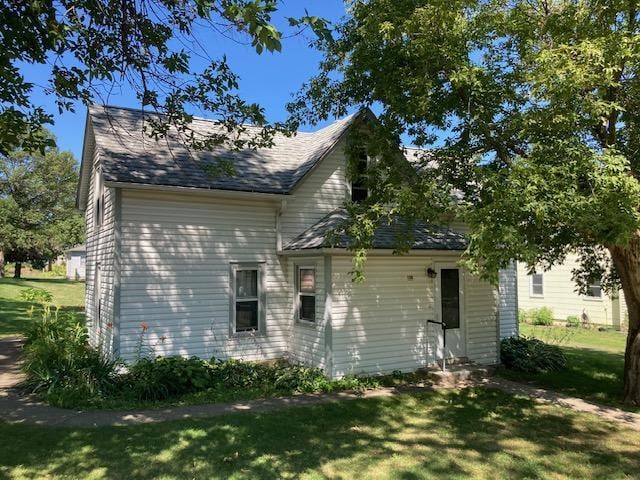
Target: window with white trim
{"points": [[594, 289], [359, 191], [306, 283], [247, 302], [537, 285]]}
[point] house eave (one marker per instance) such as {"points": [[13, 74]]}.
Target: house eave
{"points": [[220, 193], [373, 252]]}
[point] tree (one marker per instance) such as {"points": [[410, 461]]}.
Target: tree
{"points": [[38, 219], [528, 108], [155, 48]]}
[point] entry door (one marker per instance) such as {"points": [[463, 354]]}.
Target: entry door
{"points": [[449, 309]]}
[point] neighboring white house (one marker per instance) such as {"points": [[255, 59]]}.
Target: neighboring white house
{"points": [[181, 262], [556, 289], [75, 260]]}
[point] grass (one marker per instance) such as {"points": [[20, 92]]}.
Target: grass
{"points": [[595, 364], [446, 435], [14, 317], [608, 340]]}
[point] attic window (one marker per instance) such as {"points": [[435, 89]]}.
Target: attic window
{"points": [[359, 191]]}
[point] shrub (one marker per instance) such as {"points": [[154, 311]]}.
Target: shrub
{"points": [[61, 365], [573, 321], [59, 360], [531, 355], [523, 316], [542, 316], [164, 377], [36, 295]]}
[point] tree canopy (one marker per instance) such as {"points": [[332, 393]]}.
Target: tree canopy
{"points": [[157, 49], [528, 108], [38, 219]]}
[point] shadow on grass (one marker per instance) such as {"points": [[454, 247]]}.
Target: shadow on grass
{"points": [[56, 280], [473, 433], [591, 374]]}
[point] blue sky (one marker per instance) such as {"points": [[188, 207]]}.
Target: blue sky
{"points": [[268, 79]]}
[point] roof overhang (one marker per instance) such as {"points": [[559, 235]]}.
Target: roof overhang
{"points": [[307, 252], [218, 193], [84, 176]]}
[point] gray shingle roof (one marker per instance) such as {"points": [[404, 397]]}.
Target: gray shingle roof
{"points": [[130, 156], [426, 237]]}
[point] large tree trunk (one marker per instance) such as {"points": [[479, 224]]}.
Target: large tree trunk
{"points": [[627, 262], [1, 263], [18, 270]]}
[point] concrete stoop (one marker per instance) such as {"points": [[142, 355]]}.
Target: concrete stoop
{"points": [[458, 375]]}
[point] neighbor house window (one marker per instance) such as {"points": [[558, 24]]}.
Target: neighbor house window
{"points": [[537, 286], [247, 308], [359, 190], [594, 290], [306, 283]]}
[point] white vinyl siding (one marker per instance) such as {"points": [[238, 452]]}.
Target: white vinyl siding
{"points": [[481, 315], [508, 301], [100, 249], [324, 190], [176, 253], [381, 325], [560, 295]]}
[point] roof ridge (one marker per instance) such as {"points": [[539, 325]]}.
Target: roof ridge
{"points": [[218, 122]]}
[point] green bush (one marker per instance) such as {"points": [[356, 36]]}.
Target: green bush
{"points": [[523, 316], [58, 359], [573, 321], [542, 316], [165, 377], [531, 355], [36, 295], [61, 366]]}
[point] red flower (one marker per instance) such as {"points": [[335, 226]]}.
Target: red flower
{"points": [[144, 326], [109, 324]]}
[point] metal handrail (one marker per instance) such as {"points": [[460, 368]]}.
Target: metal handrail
{"points": [[443, 324]]}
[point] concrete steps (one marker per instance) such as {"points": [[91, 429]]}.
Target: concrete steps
{"points": [[458, 375]]}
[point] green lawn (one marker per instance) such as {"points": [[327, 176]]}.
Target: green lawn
{"points": [[448, 435], [14, 317], [595, 363]]}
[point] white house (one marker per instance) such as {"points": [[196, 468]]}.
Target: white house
{"points": [[180, 262], [74, 259], [556, 290]]}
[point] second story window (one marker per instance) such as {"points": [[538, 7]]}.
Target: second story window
{"points": [[359, 190]]}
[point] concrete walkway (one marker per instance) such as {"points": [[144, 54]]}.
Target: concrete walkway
{"points": [[629, 419], [21, 409]]}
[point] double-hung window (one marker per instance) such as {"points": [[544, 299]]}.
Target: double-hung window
{"points": [[537, 285], [359, 191], [247, 309], [594, 290], [306, 283]]}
